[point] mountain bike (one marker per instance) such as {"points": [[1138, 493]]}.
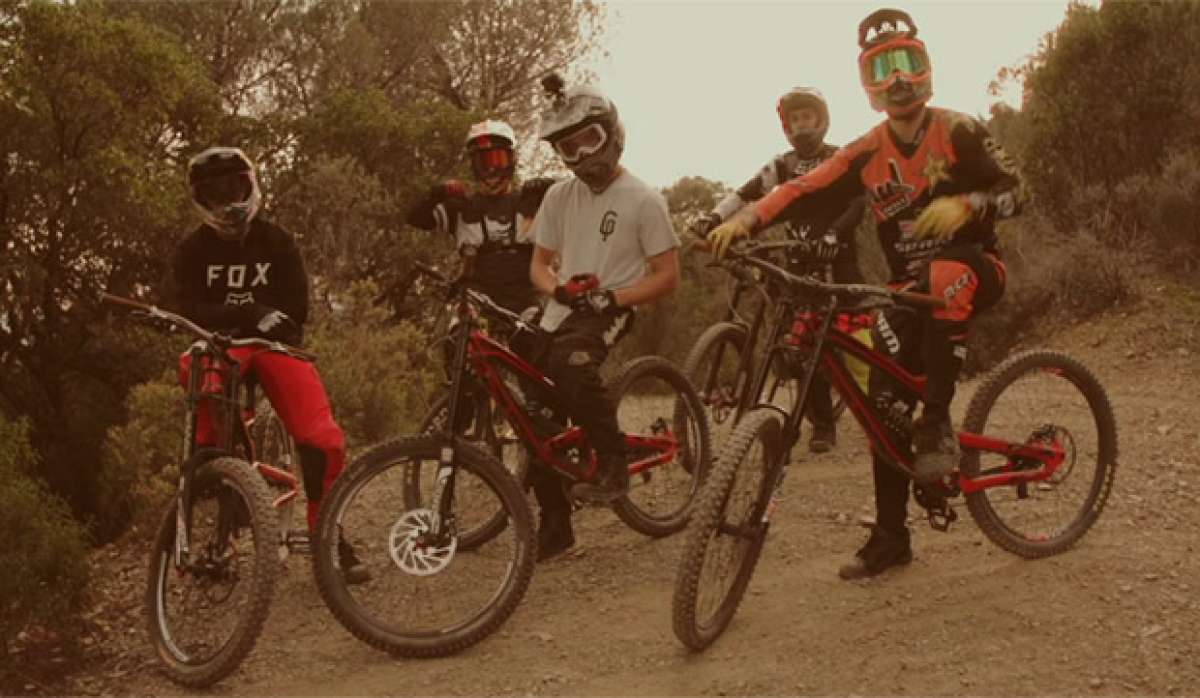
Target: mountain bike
{"points": [[1039, 449], [726, 361], [217, 552], [450, 571]]}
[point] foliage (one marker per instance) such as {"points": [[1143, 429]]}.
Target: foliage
{"points": [[378, 372], [98, 107], [43, 562]]}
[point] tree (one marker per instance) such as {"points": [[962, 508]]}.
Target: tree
{"points": [[90, 194]]}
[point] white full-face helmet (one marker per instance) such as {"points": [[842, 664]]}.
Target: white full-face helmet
{"points": [[585, 130]]}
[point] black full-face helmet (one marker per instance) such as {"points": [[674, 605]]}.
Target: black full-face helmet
{"points": [[225, 190]]}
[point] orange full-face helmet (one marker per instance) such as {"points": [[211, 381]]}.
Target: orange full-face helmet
{"points": [[894, 66]]}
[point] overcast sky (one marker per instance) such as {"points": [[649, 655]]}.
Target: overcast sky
{"points": [[696, 82]]}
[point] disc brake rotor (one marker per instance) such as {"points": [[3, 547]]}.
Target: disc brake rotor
{"points": [[413, 548]]}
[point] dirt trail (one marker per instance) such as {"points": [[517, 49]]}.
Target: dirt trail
{"points": [[1116, 615]]}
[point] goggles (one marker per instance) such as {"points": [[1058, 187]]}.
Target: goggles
{"points": [[224, 190], [880, 66], [494, 160], [574, 147]]}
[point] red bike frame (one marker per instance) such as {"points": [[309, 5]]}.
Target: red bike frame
{"points": [[1020, 455], [483, 352]]}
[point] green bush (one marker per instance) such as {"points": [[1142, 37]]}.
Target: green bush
{"points": [[379, 373], [141, 455], [43, 562], [1051, 277]]}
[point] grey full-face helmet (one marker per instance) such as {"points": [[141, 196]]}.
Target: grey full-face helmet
{"points": [[585, 130]]}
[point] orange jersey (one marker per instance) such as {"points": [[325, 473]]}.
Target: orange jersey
{"points": [[952, 154]]}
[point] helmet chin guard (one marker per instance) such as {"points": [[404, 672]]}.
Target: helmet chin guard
{"points": [[573, 113]]}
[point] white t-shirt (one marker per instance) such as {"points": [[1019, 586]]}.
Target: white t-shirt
{"points": [[610, 234]]}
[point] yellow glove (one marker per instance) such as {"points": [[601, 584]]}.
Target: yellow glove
{"points": [[723, 236], [944, 216]]}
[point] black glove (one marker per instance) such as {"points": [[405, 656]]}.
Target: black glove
{"points": [[704, 225], [823, 250], [274, 325], [596, 302], [532, 193]]}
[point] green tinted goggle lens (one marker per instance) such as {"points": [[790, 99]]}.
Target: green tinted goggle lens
{"points": [[904, 60]]}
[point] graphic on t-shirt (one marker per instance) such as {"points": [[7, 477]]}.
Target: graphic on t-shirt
{"points": [[608, 224]]}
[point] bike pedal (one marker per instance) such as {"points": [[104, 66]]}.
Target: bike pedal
{"points": [[941, 518]]}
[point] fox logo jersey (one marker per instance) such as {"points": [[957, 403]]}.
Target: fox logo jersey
{"points": [[214, 277], [951, 154]]}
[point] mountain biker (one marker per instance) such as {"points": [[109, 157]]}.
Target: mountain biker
{"points": [[938, 183], [240, 274], [491, 228], [830, 228], [616, 248], [492, 224]]}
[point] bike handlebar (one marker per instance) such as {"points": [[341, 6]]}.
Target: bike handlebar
{"points": [[744, 253], [217, 339], [478, 298]]}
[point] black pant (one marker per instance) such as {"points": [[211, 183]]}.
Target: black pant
{"points": [[931, 343], [573, 359]]}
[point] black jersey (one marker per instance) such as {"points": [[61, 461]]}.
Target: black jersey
{"points": [[224, 285], [831, 224]]}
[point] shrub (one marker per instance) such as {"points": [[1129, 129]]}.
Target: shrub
{"points": [[379, 373], [43, 562], [140, 456]]}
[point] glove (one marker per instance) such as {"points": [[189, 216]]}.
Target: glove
{"points": [[594, 302], [275, 325], [946, 214], [723, 236], [532, 193], [578, 285], [703, 225], [824, 250], [450, 189]]}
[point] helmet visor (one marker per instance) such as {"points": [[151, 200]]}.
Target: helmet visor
{"points": [[223, 190], [575, 146], [879, 66], [492, 162]]}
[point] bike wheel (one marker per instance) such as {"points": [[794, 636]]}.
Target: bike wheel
{"points": [[727, 530], [712, 367], [490, 431], [274, 446], [653, 399], [426, 598], [204, 617], [1049, 397]]}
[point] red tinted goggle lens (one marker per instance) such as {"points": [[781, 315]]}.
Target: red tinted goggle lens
{"points": [[491, 160]]}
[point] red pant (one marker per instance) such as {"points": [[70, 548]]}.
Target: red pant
{"points": [[299, 398]]}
